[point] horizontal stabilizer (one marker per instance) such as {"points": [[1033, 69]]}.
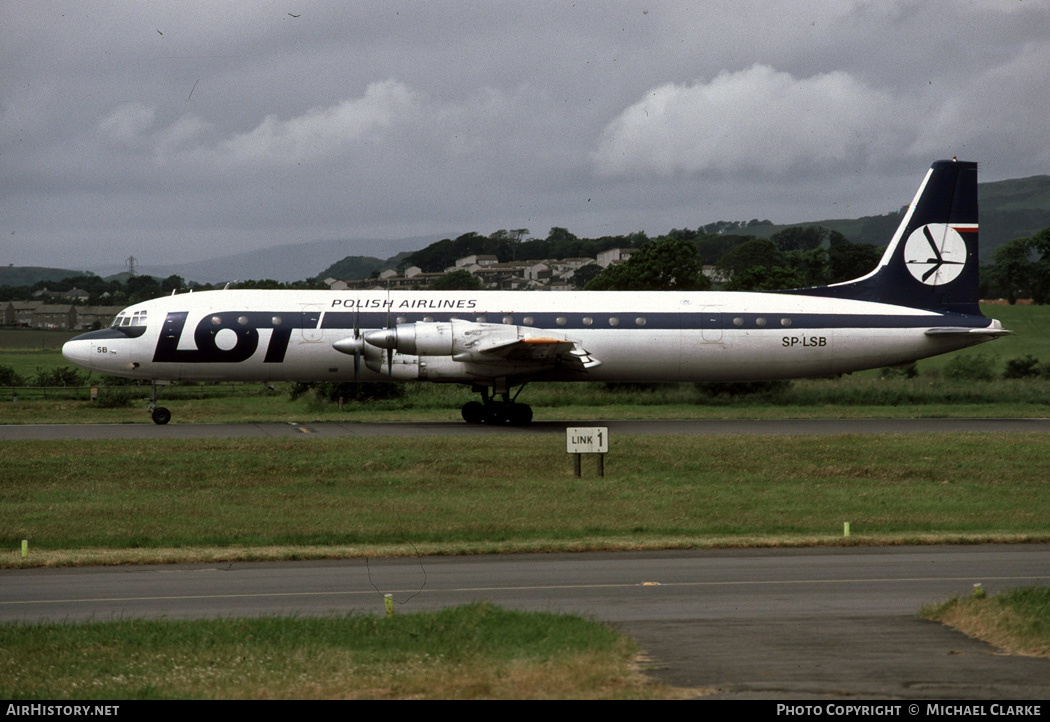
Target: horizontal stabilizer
{"points": [[991, 331]]}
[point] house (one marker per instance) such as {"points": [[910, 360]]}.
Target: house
{"points": [[89, 317], [614, 255], [20, 313], [49, 315]]}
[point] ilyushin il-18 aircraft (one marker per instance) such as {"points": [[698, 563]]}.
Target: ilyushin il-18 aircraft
{"points": [[921, 300]]}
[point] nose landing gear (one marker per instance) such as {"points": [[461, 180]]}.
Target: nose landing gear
{"points": [[159, 414]]}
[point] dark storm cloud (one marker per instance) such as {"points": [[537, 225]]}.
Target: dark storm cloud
{"points": [[195, 129]]}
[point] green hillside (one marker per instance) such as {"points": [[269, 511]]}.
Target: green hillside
{"points": [[358, 267], [1010, 209], [28, 275]]}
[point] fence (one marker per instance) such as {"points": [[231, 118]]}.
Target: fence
{"points": [[100, 391]]}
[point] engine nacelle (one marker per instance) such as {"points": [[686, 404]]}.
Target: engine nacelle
{"points": [[424, 338]]}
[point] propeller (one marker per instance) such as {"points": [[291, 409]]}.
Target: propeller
{"points": [[390, 349], [355, 344], [357, 339], [376, 339]]}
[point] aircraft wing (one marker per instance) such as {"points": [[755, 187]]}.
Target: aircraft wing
{"points": [[534, 349]]}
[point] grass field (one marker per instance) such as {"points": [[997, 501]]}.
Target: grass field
{"points": [[1017, 620], [113, 501], [474, 652]]}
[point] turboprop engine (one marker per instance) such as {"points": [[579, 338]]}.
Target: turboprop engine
{"points": [[459, 339]]}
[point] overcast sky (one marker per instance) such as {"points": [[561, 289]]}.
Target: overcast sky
{"points": [[177, 131]]}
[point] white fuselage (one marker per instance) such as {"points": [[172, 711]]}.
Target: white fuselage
{"points": [[634, 336]]}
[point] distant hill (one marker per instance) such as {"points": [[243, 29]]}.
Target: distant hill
{"points": [[287, 263], [1010, 209], [355, 267], [28, 275]]}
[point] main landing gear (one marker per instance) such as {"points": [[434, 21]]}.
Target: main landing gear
{"points": [[490, 411], [159, 414]]}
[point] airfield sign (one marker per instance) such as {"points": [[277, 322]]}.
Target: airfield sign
{"points": [[587, 440]]}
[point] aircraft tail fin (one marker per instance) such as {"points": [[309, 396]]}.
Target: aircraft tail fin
{"points": [[931, 262]]}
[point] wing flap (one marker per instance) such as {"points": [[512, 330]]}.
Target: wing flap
{"points": [[540, 350]]}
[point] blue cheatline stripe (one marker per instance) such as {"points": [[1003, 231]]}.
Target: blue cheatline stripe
{"points": [[663, 321], [346, 320]]}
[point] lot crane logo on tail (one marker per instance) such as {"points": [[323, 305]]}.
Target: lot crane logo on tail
{"points": [[935, 254]]}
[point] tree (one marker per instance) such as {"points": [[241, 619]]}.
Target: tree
{"points": [[756, 252], [765, 278], [1022, 268], [847, 260], [585, 274], [670, 264], [799, 238], [460, 280]]}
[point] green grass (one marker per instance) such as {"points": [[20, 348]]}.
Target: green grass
{"points": [[85, 502], [856, 397], [474, 652], [1017, 620]]}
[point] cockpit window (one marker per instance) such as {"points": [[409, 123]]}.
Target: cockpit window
{"points": [[124, 319]]}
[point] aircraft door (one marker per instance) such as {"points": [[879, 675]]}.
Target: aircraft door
{"points": [[711, 325], [312, 324]]}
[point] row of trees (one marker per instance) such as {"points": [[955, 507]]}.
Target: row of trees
{"points": [[513, 245], [1020, 269], [793, 258]]}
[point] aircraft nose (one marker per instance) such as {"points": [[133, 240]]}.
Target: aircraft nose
{"points": [[78, 350]]}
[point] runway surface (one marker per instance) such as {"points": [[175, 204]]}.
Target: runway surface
{"points": [[147, 430], [776, 623]]}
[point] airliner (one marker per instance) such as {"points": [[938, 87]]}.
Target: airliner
{"points": [[921, 300]]}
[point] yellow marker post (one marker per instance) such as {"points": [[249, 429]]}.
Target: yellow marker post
{"points": [[845, 528], [25, 548], [388, 599]]}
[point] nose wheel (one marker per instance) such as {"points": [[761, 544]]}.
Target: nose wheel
{"points": [[159, 414]]}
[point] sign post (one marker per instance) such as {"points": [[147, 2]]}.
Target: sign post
{"points": [[587, 440]]}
